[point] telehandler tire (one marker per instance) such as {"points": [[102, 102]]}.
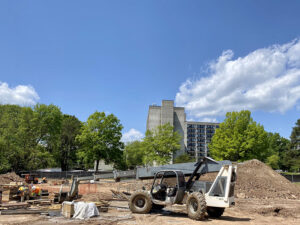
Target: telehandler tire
{"points": [[215, 212], [140, 202], [196, 206]]}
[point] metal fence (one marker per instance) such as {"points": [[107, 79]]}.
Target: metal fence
{"points": [[292, 178], [65, 174]]}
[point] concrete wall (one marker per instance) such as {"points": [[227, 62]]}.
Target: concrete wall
{"points": [[154, 116], [167, 113], [102, 166], [180, 127]]}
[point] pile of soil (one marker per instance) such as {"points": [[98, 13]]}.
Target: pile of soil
{"points": [[257, 180], [10, 177]]}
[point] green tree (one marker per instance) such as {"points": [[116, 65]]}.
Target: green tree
{"points": [[239, 138], [277, 148], [134, 154], [291, 158], [295, 136], [184, 158], [68, 145], [160, 144], [10, 152], [273, 161], [32, 155], [48, 121], [21, 147], [100, 138]]}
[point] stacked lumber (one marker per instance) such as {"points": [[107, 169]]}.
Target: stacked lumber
{"points": [[17, 205], [39, 202]]}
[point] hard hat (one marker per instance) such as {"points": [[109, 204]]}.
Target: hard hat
{"points": [[33, 188]]}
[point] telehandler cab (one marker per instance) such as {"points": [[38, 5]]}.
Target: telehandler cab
{"points": [[170, 187]]}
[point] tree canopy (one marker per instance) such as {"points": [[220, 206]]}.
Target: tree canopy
{"points": [[42, 136], [277, 148], [70, 128], [292, 156], [184, 158], [29, 137], [159, 144], [239, 138], [295, 136], [134, 154], [100, 138]]}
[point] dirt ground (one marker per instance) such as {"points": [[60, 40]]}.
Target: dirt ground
{"points": [[262, 197], [246, 211]]}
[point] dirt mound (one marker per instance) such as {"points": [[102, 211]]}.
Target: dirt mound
{"points": [[10, 177], [257, 180]]}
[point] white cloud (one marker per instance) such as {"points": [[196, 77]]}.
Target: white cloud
{"points": [[132, 135], [266, 79], [19, 95]]}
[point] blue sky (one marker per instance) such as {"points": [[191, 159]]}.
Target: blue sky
{"points": [[122, 56]]}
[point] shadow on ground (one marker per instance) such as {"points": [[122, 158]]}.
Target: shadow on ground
{"points": [[184, 215]]}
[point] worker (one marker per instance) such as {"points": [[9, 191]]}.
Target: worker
{"points": [[44, 180], [35, 180], [23, 192], [35, 191]]}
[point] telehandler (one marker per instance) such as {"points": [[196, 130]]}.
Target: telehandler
{"points": [[170, 187]]}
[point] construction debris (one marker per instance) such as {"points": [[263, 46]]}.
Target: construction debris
{"points": [[17, 205], [10, 177], [22, 211], [39, 202], [121, 196]]}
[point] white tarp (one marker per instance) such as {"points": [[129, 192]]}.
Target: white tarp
{"points": [[85, 210]]}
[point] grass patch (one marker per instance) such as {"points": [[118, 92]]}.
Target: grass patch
{"points": [[290, 173]]}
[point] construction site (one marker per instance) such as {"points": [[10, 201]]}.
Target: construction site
{"points": [[260, 196]]}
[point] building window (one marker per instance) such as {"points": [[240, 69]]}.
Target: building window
{"points": [[191, 149], [191, 126], [201, 149], [191, 144], [209, 136], [201, 131], [192, 140], [201, 154], [210, 131], [201, 140]]}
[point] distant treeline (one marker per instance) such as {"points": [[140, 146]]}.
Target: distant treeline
{"points": [[42, 136]]}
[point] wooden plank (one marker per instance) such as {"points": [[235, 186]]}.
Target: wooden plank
{"points": [[23, 211], [14, 204]]}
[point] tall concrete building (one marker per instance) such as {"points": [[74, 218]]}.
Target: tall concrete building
{"points": [[195, 135], [167, 113]]}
